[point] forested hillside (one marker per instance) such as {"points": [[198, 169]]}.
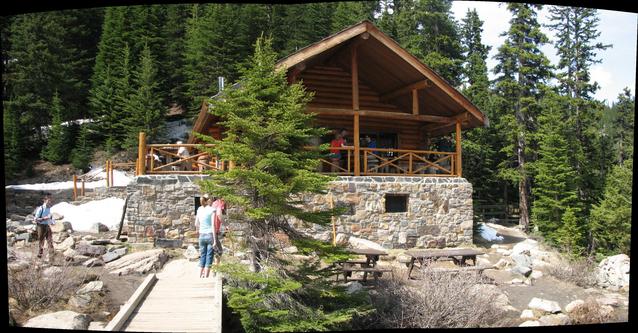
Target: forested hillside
{"points": [[565, 157]]}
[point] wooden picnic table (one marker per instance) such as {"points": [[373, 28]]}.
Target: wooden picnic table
{"points": [[425, 256], [367, 266]]}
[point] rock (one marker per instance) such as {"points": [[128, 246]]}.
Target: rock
{"points": [[93, 262], [608, 300], [87, 249], [554, 320], [502, 263], [97, 228], [528, 314], [483, 262], [23, 237], [525, 271], [18, 266], [190, 234], [97, 326], [115, 254], [60, 320], [353, 287], [342, 239], [89, 238], [59, 237], [360, 243], [138, 262], [80, 301], [51, 271], [11, 254], [530, 323], [93, 286], [68, 243], [544, 305], [78, 259], [191, 253], [574, 305], [290, 250], [172, 234], [536, 275], [606, 311], [516, 281], [613, 272], [101, 242], [493, 295], [240, 255], [61, 226], [168, 243]]}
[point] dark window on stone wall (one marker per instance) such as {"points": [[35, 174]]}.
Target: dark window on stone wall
{"points": [[396, 203]]}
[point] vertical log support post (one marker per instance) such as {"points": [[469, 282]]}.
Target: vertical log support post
{"points": [[141, 154], [355, 108], [106, 171], [82, 187], [75, 187], [415, 101], [459, 169], [111, 174]]}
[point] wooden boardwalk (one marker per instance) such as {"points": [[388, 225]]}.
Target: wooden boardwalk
{"points": [[179, 301]]}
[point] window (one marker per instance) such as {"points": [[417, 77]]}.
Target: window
{"points": [[396, 203]]}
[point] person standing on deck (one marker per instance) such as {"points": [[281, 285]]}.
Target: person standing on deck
{"points": [[219, 207], [203, 223], [183, 153]]}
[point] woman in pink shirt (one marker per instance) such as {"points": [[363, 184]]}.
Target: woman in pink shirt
{"points": [[219, 206]]}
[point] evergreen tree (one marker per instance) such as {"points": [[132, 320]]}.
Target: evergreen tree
{"points": [[623, 111], [174, 32], [266, 130], [554, 183], [56, 150], [480, 145], [611, 218], [571, 234], [523, 70], [144, 109], [427, 29], [13, 142], [348, 13], [82, 152]]}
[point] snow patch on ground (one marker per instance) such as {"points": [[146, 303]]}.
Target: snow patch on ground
{"points": [[489, 234], [97, 179], [106, 211]]}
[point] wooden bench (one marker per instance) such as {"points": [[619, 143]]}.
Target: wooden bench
{"points": [[457, 270], [375, 271]]}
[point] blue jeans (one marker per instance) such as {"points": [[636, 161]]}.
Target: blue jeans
{"points": [[205, 250]]}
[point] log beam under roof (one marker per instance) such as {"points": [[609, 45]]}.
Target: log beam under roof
{"points": [[381, 114], [404, 90]]}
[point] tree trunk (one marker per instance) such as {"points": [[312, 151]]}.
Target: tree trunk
{"points": [[523, 204]]}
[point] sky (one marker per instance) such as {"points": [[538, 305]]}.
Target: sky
{"points": [[618, 67]]}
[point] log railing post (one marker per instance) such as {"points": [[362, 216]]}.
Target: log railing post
{"points": [[82, 187], [141, 154], [75, 187], [111, 173], [357, 168], [106, 171], [459, 169]]}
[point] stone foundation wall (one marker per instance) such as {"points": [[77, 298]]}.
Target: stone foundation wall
{"points": [[162, 202], [439, 209]]}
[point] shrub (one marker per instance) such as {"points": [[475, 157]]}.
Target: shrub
{"points": [[591, 312], [579, 271], [441, 300], [32, 290]]}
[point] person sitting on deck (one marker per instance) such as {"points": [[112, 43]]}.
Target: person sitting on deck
{"points": [[373, 161], [183, 153]]}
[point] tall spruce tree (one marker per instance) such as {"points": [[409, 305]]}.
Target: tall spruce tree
{"points": [[13, 142], [174, 32], [554, 182], [522, 71], [481, 145], [623, 111], [56, 150], [611, 218], [144, 108], [347, 13], [82, 152], [266, 131]]}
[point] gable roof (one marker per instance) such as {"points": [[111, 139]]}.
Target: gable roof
{"points": [[387, 68]]}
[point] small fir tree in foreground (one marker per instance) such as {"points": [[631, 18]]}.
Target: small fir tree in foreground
{"points": [[56, 150], [83, 151], [266, 130]]}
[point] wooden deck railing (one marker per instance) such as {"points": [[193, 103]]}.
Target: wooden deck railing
{"points": [[372, 161]]}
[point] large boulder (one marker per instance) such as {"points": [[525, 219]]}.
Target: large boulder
{"points": [[360, 243], [62, 226], [574, 305], [138, 262], [60, 320], [493, 295], [97, 228], [86, 249], [68, 243], [93, 286], [353, 287], [543, 305], [80, 301], [554, 320], [613, 272], [523, 270], [114, 254], [191, 253]]}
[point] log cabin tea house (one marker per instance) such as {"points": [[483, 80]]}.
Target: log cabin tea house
{"points": [[400, 174]]}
